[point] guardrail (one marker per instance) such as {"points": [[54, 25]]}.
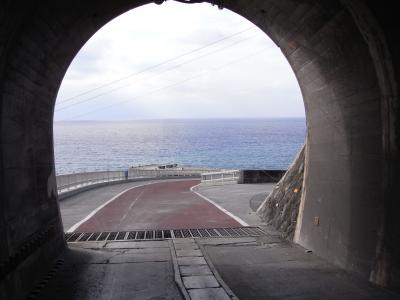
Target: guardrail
{"points": [[220, 177], [70, 182]]}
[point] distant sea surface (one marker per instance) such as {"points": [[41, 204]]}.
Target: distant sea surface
{"points": [[218, 143]]}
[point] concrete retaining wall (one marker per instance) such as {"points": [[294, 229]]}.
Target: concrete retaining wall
{"points": [[260, 176]]}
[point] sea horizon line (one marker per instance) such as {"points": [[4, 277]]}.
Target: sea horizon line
{"points": [[179, 119]]}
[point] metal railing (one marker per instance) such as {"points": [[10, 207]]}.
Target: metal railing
{"points": [[221, 177], [69, 182]]}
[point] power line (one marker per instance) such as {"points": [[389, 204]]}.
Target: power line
{"points": [[155, 66], [172, 68], [169, 86]]}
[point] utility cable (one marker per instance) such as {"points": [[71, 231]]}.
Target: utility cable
{"points": [[156, 65], [169, 86], [162, 72]]}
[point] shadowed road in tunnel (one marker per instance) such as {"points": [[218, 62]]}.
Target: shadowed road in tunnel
{"points": [[162, 205]]}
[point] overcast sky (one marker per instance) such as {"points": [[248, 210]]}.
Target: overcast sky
{"points": [[240, 74]]}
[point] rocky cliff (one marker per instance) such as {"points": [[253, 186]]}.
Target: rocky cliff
{"points": [[281, 207]]}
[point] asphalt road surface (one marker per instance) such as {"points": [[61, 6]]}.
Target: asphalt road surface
{"points": [[161, 205]]}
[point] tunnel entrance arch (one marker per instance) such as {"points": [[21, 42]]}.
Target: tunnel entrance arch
{"points": [[342, 70]]}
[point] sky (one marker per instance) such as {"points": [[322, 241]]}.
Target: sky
{"points": [[178, 61]]}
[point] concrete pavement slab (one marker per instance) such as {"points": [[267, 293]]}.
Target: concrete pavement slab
{"points": [[145, 251], [287, 272], [136, 258], [195, 270], [88, 245], [222, 241], [81, 278], [144, 244], [184, 241], [199, 282], [185, 261], [187, 246], [181, 253], [208, 294]]}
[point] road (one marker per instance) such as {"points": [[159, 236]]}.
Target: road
{"points": [[264, 267], [161, 205]]}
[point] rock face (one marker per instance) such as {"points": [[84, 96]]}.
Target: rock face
{"points": [[281, 207]]}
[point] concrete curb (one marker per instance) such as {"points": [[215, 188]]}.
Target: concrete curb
{"points": [[177, 273]]}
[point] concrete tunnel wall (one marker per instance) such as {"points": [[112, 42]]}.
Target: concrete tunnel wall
{"points": [[341, 54]]}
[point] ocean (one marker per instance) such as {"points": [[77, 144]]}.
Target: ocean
{"points": [[83, 146]]}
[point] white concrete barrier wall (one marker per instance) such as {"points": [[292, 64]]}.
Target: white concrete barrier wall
{"points": [[70, 182]]}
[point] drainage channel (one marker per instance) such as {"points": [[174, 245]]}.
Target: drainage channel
{"points": [[162, 234]]}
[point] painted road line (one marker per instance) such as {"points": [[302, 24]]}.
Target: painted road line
{"points": [[131, 206], [236, 218], [74, 227]]}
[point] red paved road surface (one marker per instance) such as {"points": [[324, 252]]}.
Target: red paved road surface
{"points": [[164, 205]]}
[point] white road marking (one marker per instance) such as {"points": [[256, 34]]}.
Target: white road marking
{"points": [[239, 220], [74, 227], [130, 206]]}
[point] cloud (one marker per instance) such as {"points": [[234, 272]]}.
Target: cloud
{"points": [[245, 75]]}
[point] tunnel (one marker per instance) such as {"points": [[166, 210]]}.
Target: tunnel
{"points": [[345, 55]]}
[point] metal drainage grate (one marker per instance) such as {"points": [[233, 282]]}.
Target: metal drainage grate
{"points": [[162, 234]]}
